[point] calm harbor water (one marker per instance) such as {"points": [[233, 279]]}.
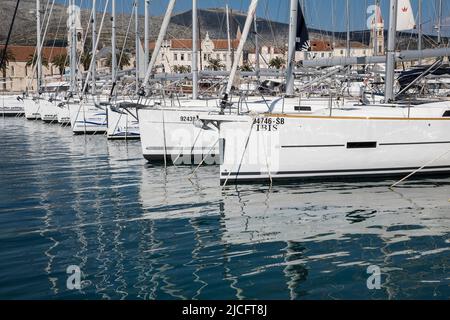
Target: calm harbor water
{"points": [[143, 232]]}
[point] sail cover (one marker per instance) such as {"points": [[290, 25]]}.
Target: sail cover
{"points": [[405, 16], [302, 37], [142, 63]]}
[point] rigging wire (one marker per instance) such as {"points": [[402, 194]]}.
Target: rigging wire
{"points": [[8, 38]]}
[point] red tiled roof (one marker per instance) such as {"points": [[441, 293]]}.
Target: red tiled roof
{"points": [[353, 45], [319, 45], [181, 43], [23, 53], [222, 44]]}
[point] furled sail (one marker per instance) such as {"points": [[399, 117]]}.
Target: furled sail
{"points": [[302, 37], [142, 63], [405, 16]]}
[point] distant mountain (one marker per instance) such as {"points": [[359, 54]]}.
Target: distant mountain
{"points": [[212, 21]]}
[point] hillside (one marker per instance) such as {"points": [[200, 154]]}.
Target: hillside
{"points": [[210, 20]]}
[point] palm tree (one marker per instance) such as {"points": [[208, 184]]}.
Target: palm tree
{"points": [[215, 64], [124, 62], [32, 59], [246, 68], [86, 58], [277, 63], [181, 69], [61, 62], [9, 57]]}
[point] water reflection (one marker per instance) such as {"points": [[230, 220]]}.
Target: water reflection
{"points": [[144, 232]]}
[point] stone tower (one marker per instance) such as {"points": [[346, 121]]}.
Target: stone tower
{"points": [[377, 33], [75, 13]]}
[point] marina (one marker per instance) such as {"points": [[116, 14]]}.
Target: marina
{"points": [[225, 162]]}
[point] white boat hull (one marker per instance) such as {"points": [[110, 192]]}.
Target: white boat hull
{"points": [[277, 147], [64, 114], [48, 111], [11, 106], [32, 109], [171, 135], [86, 118], [123, 124]]}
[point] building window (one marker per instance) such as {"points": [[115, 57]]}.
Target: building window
{"points": [[380, 49], [342, 52], [322, 55], [189, 57], [205, 56], [12, 71], [182, 57], [175, 56]]}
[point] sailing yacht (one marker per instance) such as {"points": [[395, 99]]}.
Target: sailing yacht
{"points": [[123, 121], [166, 125], [87, 112], [32, 105], [350, 140], [11, 106], [63, 113]]}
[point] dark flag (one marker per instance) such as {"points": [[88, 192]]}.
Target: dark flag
{"points": [[302, 36]]}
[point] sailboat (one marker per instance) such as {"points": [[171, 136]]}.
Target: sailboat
{"points": [[122, 114], [44, 103], [349, 141], [166, 126], [11, 106], [88, 111], [32, 105]]}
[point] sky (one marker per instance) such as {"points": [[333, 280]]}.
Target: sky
{"points": [[319, 14]]}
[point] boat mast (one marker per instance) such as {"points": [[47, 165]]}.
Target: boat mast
{"points": [[333, 24], [73, 49], [194, 50], [113, 43], [230, 58], [420, 29], [390, 54], [375, 29], [257, 67], [290, 77], [159, 42], [248, 23], [137, 40], [38, 46], [348, 27], [439, 26], [146, 35], [94, 42]]}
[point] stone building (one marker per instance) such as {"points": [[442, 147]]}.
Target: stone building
{"points": [[20, 76], [377, 34], [178, 52]]}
